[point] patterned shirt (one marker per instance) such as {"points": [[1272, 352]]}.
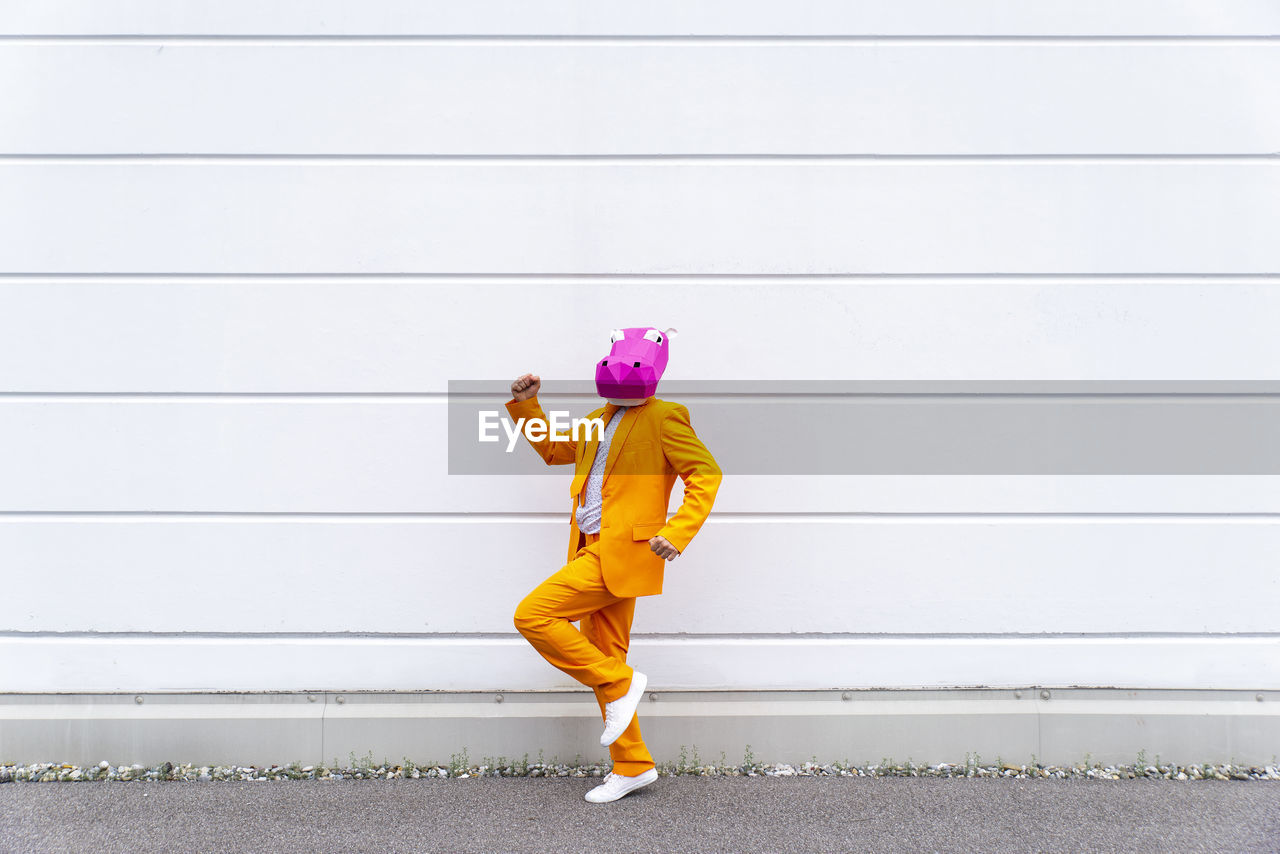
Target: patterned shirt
{"points": [[588, 514]]}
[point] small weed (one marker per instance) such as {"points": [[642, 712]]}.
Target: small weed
{"points": [[458, 762]]}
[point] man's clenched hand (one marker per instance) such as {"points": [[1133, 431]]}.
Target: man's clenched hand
{"points": [[525, 387], [662, 548]]}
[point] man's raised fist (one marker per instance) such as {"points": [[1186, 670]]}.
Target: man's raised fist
{"points": [[525, 387]]}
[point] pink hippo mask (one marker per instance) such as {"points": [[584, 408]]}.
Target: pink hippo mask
{"points": [[634, 364]]}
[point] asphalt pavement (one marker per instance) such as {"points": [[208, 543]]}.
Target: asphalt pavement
{"points": [[674, 814]]}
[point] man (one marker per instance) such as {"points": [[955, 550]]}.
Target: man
{"points": [[619, 537]]}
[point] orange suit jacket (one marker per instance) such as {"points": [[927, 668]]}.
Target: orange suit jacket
{"points": [[652, 444]]}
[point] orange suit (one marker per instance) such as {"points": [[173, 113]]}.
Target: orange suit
{"points": [[652, 445]]}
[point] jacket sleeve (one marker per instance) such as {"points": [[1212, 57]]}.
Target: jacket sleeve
{"points": [[699, 471], [553, 453]]}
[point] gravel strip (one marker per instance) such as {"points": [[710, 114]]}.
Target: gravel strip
{"points": [[461, 768]]}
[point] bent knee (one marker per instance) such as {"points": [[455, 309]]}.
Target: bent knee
{"points": [[527, 616]]}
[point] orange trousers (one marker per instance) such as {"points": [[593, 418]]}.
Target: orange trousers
{"points": [[596, 655]]}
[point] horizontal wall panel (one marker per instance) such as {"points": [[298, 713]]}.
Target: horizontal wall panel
{"points": [[655, 217], [1059, 726], [662, 17], [417, 335], [336, 455], [69, 665], [639, 98], [740, 575]]}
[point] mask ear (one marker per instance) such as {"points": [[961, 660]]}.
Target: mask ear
{"points": [[670, 333]]}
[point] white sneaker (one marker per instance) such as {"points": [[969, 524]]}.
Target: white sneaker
{"points": [[617, 785], [618, 714]]}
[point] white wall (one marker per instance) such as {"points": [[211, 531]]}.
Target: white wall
{"points": [[245, 248]]}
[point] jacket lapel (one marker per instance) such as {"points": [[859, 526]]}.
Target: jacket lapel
{"points": [[620, 435], [589, 452]]}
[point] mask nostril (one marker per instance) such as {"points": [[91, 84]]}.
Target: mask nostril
{"points": [[635, 364], [605, 362]]}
